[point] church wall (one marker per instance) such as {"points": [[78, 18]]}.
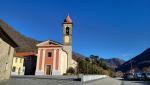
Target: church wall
{"points": [[68, 49], [74, 64], [49, 60], [40, 57], [53, 60], [63, 62], [57, 59], [39, 69]]}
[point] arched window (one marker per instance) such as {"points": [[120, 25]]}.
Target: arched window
{"points": [[67, 30]]}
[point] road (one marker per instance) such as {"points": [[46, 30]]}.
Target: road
{"points": [[114, 81], [135, 82], [106, 81], [67, 81]]}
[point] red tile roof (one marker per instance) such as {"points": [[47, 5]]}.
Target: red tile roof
{"points": [[68, 20], [25, 54]]}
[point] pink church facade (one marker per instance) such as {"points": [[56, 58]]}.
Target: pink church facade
{"points": [[52, 60]]}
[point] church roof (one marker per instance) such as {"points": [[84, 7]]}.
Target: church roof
{"points": [[49, 43], [68, 20]]}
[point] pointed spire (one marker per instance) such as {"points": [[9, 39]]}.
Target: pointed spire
{"points": [[68, 13], [68, 19]]}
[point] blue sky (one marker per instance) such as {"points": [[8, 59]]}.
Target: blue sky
{"points": [[108, 28]]}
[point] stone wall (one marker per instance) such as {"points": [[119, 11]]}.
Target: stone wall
{"points": [[6, 58], [86, 78]]}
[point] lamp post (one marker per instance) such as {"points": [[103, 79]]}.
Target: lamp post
{"points": [[131, 68], [78, 72]]}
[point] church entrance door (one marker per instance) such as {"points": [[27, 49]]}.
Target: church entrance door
{"points": [[48, 69]]}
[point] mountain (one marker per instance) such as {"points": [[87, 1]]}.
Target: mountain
{"points": [[113, 62], [76, 56], [25, 44], [138, 62]]}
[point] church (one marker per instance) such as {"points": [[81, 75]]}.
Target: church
{"points": [[54, 58]]}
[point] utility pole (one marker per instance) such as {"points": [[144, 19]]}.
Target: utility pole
{"points": [[78, 68], [131, 64], [87, 67]]}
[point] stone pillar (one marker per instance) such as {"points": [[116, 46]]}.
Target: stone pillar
{"points": [[40, 71]]}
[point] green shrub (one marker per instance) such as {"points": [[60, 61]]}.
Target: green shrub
{"points": [[71, 70]]}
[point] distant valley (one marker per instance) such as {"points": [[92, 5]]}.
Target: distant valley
{"points": [[138, 63]]}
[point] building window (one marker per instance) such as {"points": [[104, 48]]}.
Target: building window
{"points": [[67, 30], [20, 60], [49, 54], [50, 43], [16, 60], [13, 69]]}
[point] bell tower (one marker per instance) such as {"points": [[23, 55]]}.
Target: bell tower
{"points": [[67, 31], [67, 39]]}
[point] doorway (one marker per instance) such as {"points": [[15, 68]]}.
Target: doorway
{"points": [[48, 69]]}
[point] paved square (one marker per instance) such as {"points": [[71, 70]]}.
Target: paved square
{"points": [[40, 80]]}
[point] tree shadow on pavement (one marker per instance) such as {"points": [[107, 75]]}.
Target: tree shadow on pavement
{"points": [[134, 81], [142, 82]]}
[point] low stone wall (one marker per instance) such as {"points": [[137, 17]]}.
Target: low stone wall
{"points": [[86, 78]]}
